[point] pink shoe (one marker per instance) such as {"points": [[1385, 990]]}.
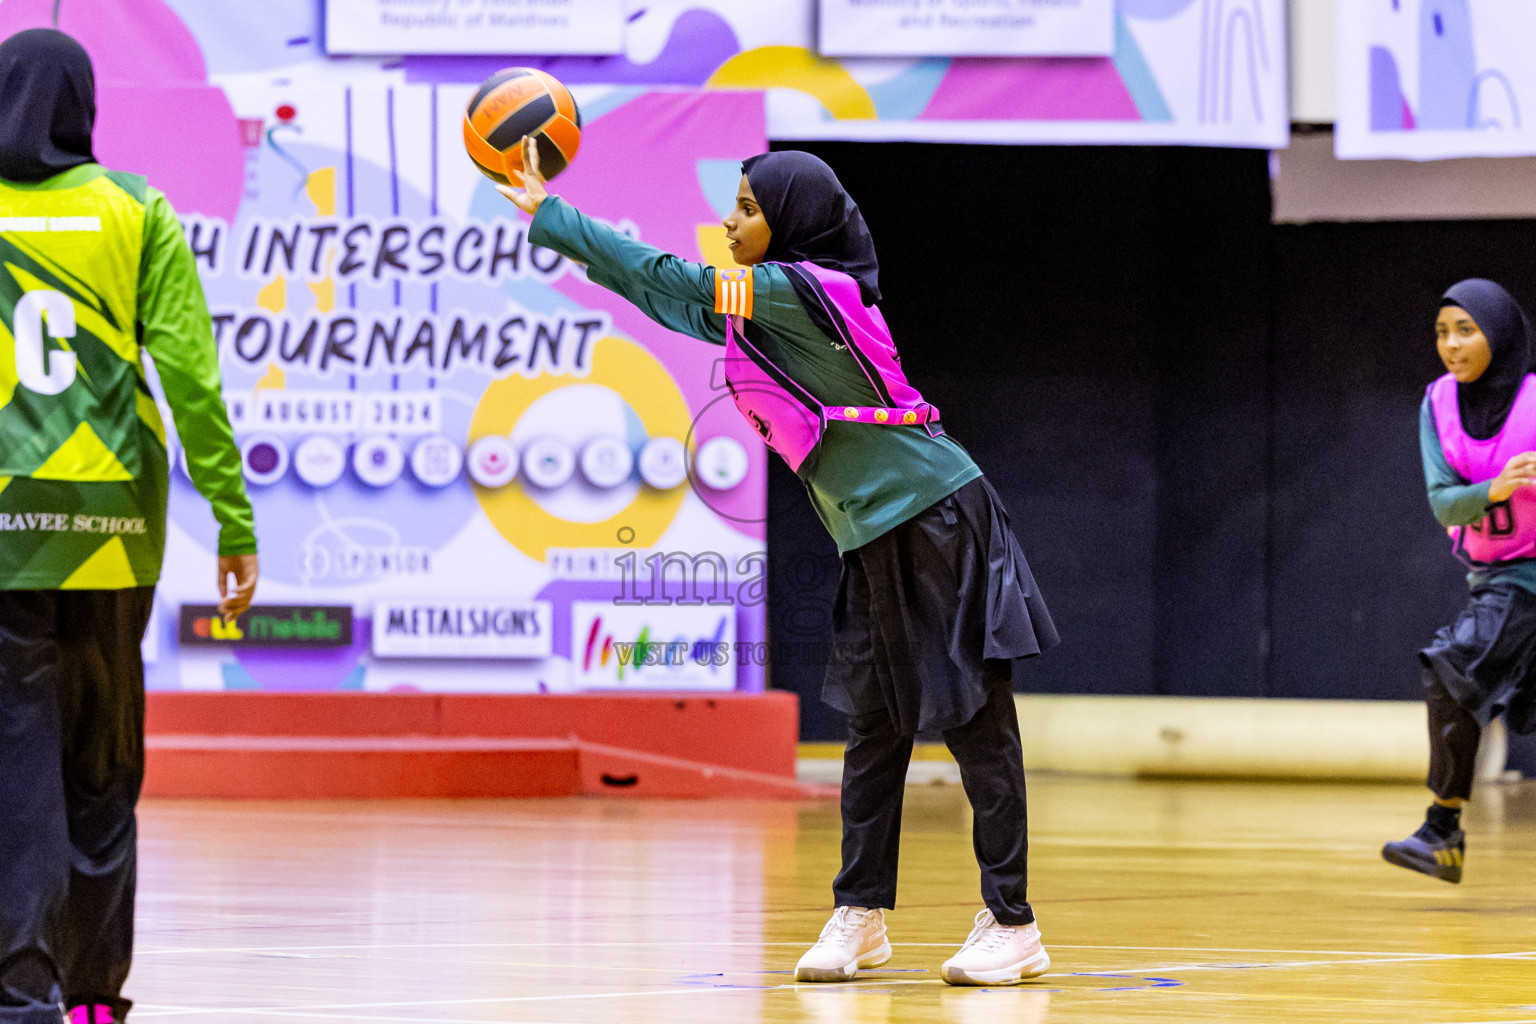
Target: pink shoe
{"points": [[100, 1013]]}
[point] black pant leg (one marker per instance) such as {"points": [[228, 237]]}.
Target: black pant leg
{"points": [[102, 699], [1453, 738], [874, 782], [991, 760], [34, 835]]}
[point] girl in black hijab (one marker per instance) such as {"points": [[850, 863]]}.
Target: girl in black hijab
{"points": [[47, 105], [936, 598], [71, 668], [1477, 435]]}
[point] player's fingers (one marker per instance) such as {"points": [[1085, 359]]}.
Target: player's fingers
{"points": [[519, 199], [223, 578], [531, 157]]}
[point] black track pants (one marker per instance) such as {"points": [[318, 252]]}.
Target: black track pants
{"points": [[71, 765], [991, 761]]}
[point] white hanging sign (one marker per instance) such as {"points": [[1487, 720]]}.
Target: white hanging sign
{"points": [[577, 27], [1436, 79], [967, 28]]}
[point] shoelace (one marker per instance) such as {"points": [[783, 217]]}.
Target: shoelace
{"points": [[988, 934], [845, 923]]}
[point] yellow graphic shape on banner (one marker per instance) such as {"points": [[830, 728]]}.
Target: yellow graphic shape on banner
{"points": [[275, 379], [321, 189], [84, 457], [795, 67], [107, 569], [635, 376], [714, 247], [274, 297]]}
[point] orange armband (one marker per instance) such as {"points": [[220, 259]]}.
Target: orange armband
{"points": [[733, 292]]}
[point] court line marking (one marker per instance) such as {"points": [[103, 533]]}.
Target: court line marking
{"points": [[304, 1011], [289, 1011], [1422, 958], [753, 943]]}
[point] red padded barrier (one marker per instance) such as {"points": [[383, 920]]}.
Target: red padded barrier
{"points": [[325, 745]]}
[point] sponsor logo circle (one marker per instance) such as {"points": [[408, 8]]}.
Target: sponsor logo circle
{"points": [[606, 461], [319, 461], [548, 463], [378, 461], [493, 461], [264, 458], [436, 461], [663, 463], [721, 463]]}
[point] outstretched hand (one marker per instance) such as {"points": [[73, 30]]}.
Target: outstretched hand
{"points": [[533, 192]]}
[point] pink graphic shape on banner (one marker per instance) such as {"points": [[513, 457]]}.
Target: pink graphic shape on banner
{"points": [[1058, 89], [156, 114], [663, 196]]}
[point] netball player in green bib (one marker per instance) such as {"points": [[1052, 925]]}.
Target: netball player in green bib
{"points": [[94, 272]]}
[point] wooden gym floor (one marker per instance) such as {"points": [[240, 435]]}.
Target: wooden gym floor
{"points": [[1159, 901]]}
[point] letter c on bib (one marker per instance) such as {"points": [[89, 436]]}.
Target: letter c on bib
{"points": [[40, 372]]}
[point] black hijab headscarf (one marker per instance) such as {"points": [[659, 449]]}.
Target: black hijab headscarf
{"points": [[812, 218], [1485, 403], [47, 105]]}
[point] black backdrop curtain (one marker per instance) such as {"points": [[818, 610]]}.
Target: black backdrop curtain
{"points": [[1204, 425]]}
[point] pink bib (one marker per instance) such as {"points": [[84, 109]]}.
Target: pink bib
{"points": [[791, 419], [1508, 532]]}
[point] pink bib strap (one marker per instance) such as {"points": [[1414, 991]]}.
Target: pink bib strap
{"points": [[884, 415]]}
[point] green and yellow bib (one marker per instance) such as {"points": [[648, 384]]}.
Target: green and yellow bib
{"points": [[72, 385], [83, 471]]}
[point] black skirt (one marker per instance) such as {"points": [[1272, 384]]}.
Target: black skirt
{"points": [[922, 606], [1486, 659]]}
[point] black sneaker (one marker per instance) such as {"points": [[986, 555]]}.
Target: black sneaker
{"points": [[1430, 851]]}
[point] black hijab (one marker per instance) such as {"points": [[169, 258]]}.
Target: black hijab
{"points": [[812, 218], [47, 105], [1485, 403]]}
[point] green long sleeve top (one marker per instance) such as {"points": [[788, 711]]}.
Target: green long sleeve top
{"points": [[867, 479], [1456, 501], [108, 535]]}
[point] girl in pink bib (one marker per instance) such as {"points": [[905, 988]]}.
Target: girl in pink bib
{"points": [[1477, 433]]}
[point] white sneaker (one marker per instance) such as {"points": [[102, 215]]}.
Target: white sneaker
{"points": [[854, 938], [997, 954]]}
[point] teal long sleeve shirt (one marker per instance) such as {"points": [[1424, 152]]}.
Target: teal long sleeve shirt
{"points": [[867, 479], [1457, 501]]}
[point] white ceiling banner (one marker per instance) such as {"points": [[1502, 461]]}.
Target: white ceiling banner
{"points": [[1179, 72], [967, 28], [474, 26], [1436, 79]]}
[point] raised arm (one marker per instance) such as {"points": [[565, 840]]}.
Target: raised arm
{"points": [[674, 292]]}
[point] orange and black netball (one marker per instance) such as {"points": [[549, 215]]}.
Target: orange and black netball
{"points": [[511, 105]]}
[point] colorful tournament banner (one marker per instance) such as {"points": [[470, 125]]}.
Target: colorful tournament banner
{"points": [[1436, 79], [967, 28], [508, 478], [472, 469], [474, 26]]}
